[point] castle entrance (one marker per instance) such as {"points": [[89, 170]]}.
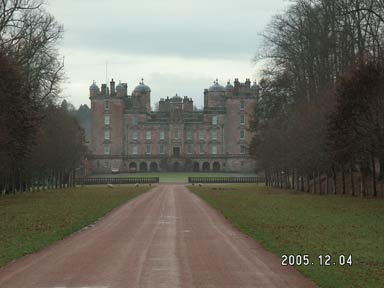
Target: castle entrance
{"points": [[206, 167], [216, 167], [176, 151]]}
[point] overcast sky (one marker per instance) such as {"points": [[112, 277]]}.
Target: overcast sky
{"points": [[177, 46]]}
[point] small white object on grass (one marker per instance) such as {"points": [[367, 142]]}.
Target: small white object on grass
{"points": [[200, 185], [137, 185], [109, 185]]}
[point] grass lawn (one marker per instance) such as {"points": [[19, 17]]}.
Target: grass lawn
{"points": [[291, 223], [171, 177], [33, 220]]}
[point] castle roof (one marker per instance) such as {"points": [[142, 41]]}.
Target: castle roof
{"points": [[94, 86], [176, 98], [120, 87], [216, 87], [141, 88], [229, 86]]}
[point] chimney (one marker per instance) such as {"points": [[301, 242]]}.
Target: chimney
{"points": [[125, 89], [112, 85], [104, 89]]}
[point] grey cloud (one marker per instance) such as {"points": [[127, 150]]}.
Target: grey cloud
{"points": [[169, 27]]}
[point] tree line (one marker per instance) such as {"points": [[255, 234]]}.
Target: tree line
{"points": [[40, 142], [319, 121]]}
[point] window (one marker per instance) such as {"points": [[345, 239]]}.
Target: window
{"points": [[135, 135], [201, 148], [189, 148], [189, 135], [148, 149], [242, 105], [134, 121], [177, 134], [214, 134], [135, 150], [242, 149], [242, 134], [107, 120], [201, 135], [162, 134], [107, 150], [214, 150], [107, 135], [214, 120], [161, 149], [148, 135], [242, 119], [106, 105]]}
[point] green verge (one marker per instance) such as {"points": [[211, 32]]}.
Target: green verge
{"points": [[33, 220], [291, 223]]}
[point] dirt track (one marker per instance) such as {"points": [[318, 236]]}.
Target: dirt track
{"points": [[167, 237]]}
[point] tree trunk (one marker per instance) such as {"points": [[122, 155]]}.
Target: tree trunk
{"points": [[362, 183], [293, 180], [373, 175], [343, 178], [314, 182], [352, 181], [56, 179], [381, 175], [334, 180]]}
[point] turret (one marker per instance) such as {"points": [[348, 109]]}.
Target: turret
{"points": [[214, 99], [121, 90], [94, 90], [142, 93], [229, 89]]}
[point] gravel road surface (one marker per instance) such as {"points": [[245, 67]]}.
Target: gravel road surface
{"points": [[167, 237]]}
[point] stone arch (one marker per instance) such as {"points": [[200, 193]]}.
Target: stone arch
{"points": [[143, 167], [153, 167], [206, 167], [176, 166], [196, 167], [216, 167], [132, 167]]}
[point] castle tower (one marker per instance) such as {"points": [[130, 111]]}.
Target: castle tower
{"points": [[107, 125], [142, 93], [229, 89], [239, 108], [214, 97]]}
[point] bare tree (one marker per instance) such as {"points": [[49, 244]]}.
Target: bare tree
{"points": [[314, 44], [30, 35]]}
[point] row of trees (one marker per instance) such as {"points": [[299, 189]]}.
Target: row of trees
{"points": [[40, 142], [320, 115]]}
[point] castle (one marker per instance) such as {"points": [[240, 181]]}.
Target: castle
{"points": [[127, 136]]}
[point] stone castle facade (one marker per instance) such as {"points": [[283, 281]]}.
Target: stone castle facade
{"points": [[127, 136]]}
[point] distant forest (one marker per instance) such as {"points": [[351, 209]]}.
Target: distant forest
{"points": [[319, 122]]}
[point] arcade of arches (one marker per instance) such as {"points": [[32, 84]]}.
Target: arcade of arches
{"points": [[176, 167]]}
